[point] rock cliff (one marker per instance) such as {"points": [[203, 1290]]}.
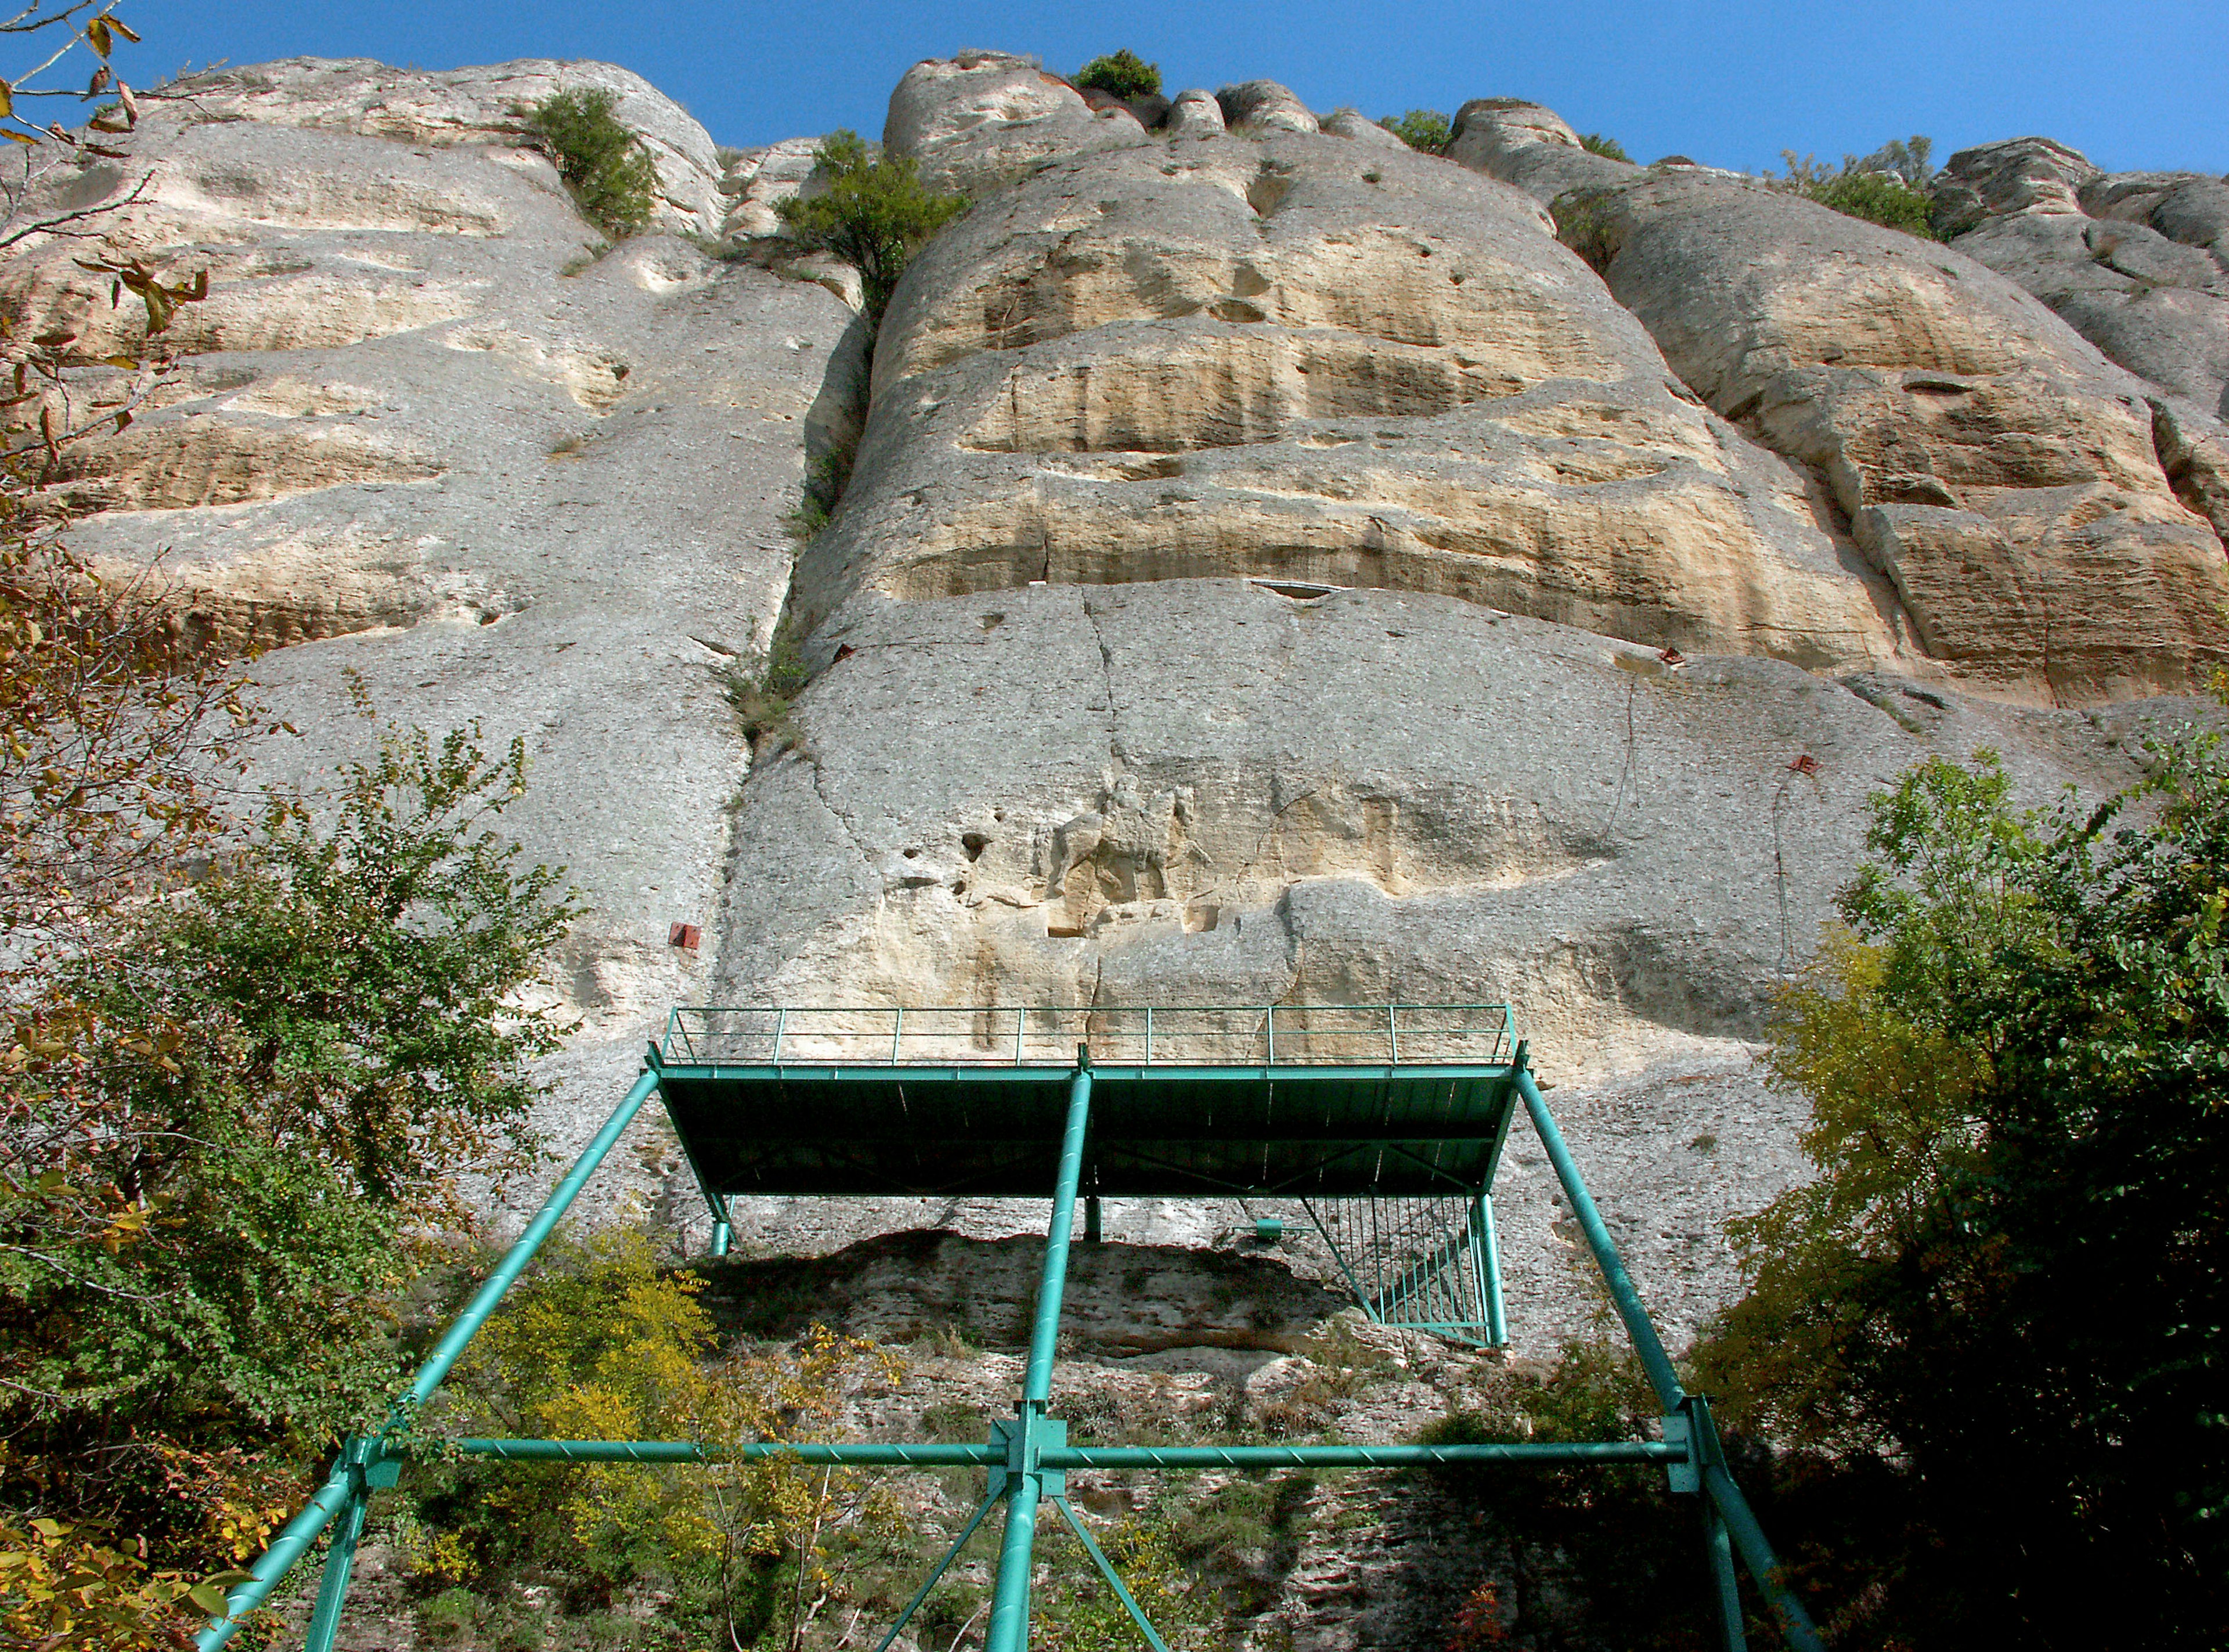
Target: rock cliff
{"points": [[1278, 565]]}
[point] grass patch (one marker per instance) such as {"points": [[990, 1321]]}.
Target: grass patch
{"points": [[763, 693]]}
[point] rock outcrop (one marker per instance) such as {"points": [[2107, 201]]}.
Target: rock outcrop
{"points": [[2136, 262], [421, 433], [2008, 478], [1278, 565]]}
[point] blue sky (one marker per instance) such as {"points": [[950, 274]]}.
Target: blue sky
{"points": [[2133, 84]]}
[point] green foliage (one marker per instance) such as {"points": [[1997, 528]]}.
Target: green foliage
{"points": [[1596, 143], [602, 1342], [1076, 1613], [1885, 188], [215, 1188], [763, 695], [875, 214], [603, 163], [1583, 224], [1121, 74], [1427, 130], [1590, 1539], [2008, 1281]]}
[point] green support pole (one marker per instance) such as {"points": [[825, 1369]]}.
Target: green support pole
{"points": [[302, 1529], [1757, 1554], [1489, 1252], [1623, 1297], [942, 1566], [1009, 1629], [340, 1561], [1721, 1554], [467, 1325], [1718, 1485]]}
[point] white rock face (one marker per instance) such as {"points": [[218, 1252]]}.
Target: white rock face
{"points": [[420, 436], [1276, 569], [479, 107]]}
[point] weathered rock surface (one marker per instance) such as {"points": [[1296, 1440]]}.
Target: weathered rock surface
{"points": [[1296, 358], [1276, 568], [1256, 108], [1530, 146], [475, 106], [406, 442], [2136, 262], [1986, 457]]}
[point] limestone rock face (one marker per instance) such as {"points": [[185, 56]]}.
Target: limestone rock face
{"points": [[1229, 605], [982, 119], [1353, 123], [1529, 146], [1985, 457], [479, 107], [1194, 114], [1276, 568], [419, 435], [2136, 262], [1258, 108], [1293, 358]]}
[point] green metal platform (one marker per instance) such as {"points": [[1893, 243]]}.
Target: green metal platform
{"points": [[1386, 1122]]}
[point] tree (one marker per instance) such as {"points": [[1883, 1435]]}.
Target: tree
{"points": [[875, 214], [603, 162], [1426, 131], [215, 1184], [2008, 1281], [1121, 74]]}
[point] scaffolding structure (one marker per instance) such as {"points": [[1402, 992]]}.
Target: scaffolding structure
{"points": [[1387, 1123]]}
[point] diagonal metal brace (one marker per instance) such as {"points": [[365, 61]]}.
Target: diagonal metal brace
{"points": [[1107, 1571], [998, 1492]]}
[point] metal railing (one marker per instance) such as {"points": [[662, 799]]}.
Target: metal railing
{"points": [[1176, 1034]]}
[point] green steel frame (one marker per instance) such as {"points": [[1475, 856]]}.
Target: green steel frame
{"points": [[1028, 1456]]}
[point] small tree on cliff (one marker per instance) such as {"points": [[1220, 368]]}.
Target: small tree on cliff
{"points": [[875, 215]]}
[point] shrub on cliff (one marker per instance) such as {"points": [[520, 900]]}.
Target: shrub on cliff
{"points": [[1884, 188], [1426, 131], [1121, 74], [1608, 148], [602, 161], [875, 214]]}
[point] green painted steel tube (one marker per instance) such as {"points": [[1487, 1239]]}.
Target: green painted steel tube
{"points": [[942, 1566], [340, 1562], [1757, 1554], [275, 1561], [863, 1454], [879, 1454], [302, 1529], [1497, 1313], [1009, 1629], [507, 1271], [1626, 1299], [1052, 1282], [1355, 1456], [1114, 1578], [1720, 1554]]}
